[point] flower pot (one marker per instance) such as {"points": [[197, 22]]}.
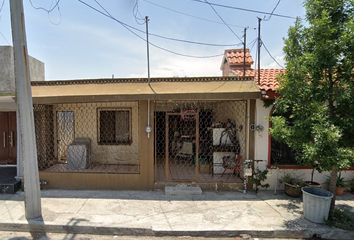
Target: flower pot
{"points": [[292, 190], [316, 202], [340, 191]]}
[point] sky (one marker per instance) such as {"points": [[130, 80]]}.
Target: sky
{"points": [[76, 42]]}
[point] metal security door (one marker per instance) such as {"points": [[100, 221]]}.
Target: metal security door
{"points": [[4, 148], [12, 138], [8, 138], [65, 132], [182, 146]]}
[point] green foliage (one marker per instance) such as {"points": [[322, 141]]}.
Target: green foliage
{"points": [[318, 88], [258, 178], [341, 219]]}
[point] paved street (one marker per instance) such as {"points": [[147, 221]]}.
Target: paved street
{"points": [[57, 236], [152, 213]]}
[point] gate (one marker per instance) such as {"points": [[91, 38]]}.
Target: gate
{"points": [[182, 145]]}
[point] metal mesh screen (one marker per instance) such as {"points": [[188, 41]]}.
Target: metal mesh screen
{"points": [[200, 140], [88, 137]]}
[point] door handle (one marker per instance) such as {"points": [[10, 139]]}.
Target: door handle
{"points": [[11, 138], [4, 139]]}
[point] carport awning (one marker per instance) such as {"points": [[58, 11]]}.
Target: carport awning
{"points": [[92, 91]]}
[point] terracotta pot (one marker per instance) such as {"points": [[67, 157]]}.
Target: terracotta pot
{"points": [[340, 191]]}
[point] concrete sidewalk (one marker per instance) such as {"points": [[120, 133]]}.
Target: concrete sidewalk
{"points": [[156, 214]]}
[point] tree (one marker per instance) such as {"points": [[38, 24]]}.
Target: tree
{"points": [[317, 90]]}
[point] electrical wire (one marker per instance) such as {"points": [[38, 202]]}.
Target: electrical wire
{"points": [[246, 9], [107, 14], [189, 15], [206, 1], [137, 15], [2, 5], [44, 9], [271, 14], [265, 47], [168, 38]]}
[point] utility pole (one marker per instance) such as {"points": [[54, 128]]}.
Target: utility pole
{"points": [[25, 113], [259, 50], [244, 51]]}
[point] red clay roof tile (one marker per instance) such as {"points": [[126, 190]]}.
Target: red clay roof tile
{"points": [[268, 78], [235, 56]]}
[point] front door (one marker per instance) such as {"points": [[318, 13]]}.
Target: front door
{"points": [[8, 137]]}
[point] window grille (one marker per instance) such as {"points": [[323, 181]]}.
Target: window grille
{"points": [[114, 126]]}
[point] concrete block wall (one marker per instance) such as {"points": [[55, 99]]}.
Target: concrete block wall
{"points": [[7, 75]]}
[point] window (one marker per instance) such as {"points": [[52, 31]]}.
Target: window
{"points": [[281, 153], [114, 126]]}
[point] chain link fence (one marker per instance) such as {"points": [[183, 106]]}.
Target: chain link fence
{"points": [[199, 140], [87, 137]]}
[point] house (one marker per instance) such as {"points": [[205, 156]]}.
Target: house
{"points": [[134, 133], [276, 157], [187, 117]]}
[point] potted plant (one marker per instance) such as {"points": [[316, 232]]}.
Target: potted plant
{"points": [[340, 185], [292, 185]]}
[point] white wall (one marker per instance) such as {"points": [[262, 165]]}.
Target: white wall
{"points": [[262, 148], [262, 137]]}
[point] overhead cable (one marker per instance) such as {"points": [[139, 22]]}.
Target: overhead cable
{"points": [[271, 14], [168, 38], [217, 14], [265, 47], [190, 15], [246, 9], [107, 14], [45, 9]]}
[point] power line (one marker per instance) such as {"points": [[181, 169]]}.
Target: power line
{"points": [[168, 38], [189, 15], [271, 14], [44, 9], [136, 13], [265, 47], [107, 14], [2, 5], [246, 9], [206, 1]]}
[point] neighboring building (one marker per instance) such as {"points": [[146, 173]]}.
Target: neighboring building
{"points": [[7, 101], [277, 157]]}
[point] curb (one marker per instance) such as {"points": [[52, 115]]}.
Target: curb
{"points": [[326, 233]]}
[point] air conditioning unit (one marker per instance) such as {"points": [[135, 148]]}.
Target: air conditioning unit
{"points": [[79, 154]]}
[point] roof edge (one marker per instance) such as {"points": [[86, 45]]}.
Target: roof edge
{"points": [[138, 80]]}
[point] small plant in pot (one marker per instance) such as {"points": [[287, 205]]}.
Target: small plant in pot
{"points": [[292, 185], [340, 185]]}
